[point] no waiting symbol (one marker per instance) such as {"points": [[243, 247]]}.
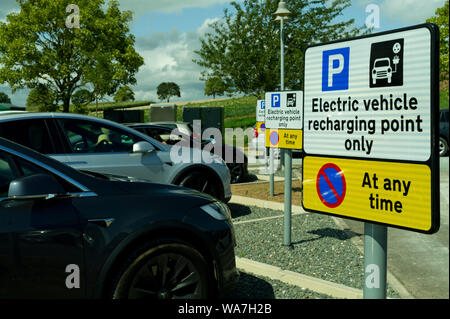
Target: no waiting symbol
{"points": [[274, 138], [331, 185]]}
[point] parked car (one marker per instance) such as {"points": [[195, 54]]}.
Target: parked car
{"points": [[183, 127], [237, 164], [55, 220], [92, 144], [443, 132]]}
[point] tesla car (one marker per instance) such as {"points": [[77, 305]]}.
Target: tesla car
{"points": [[236, 160], [93, 144], [66, 234]]}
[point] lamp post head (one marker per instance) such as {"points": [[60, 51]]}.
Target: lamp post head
{"points": [[282, 11]]}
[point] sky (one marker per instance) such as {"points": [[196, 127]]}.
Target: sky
{"points": [[168, 32]]}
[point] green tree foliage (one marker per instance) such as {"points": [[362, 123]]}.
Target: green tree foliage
{"points": [[215, 86], [36, 47], [80, 100], [441, 19], [4, 98], [244, 47], [166, 90], [41, 99], [124, 94]]}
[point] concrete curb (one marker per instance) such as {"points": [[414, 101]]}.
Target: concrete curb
{"points": [[248, 201], [292, 278]]}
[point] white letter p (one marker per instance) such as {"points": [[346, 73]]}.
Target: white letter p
{"points": [[331, 69]]}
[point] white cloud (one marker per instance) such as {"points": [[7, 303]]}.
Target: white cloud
{"points": [[410, 11], [168, 58], [407, 12]]}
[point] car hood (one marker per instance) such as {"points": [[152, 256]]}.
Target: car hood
{"points": [[171, 194]]}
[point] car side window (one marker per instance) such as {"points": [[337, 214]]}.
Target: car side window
{"points": [[12, 167], [91, 137], [7, 174], [30, 133]]}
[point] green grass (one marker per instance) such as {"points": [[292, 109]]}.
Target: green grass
{"points": [[443, 96]]}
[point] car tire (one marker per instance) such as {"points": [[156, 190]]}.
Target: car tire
{"points": [[237, 172], [202, 182], [443, 146], [163, 270]]}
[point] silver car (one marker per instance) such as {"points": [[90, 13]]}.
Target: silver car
{"points": [[105, 147]]}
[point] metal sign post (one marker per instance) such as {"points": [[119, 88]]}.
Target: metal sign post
{"points": [[375, 261]]}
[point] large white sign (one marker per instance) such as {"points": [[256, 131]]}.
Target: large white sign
{"points": [[284, 110], [370, 97]]}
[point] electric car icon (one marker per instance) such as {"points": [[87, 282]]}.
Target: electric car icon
{"points": [[382, 70]]}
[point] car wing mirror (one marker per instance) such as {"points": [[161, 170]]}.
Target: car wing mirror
{"points": [[143, 147], [35, 187]]}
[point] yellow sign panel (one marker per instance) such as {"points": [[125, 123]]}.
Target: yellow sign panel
{"points": [[261, 127], [396, 194], [283, 138]]}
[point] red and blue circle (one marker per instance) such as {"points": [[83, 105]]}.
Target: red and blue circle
{"points": [[274, 138], [262, 127], [331, 185]]}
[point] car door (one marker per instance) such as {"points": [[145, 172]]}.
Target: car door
{"points": [[101, 148], [38, 240]]}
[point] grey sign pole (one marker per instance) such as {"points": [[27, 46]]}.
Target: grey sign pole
{"points": [[375, 261]]}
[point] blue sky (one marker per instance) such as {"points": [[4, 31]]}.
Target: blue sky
{"points": [[168, 31]]}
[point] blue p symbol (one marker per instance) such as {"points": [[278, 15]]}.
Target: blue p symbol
{"points": [[335, 69], [276, 98], [263, 105]]}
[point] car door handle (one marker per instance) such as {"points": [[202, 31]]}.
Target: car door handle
{"points": [[102, 222]]}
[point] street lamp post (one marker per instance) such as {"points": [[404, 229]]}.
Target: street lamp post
{"points": [[282, 14]]}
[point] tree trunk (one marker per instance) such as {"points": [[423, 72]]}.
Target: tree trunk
{"points": [[66, 103]]}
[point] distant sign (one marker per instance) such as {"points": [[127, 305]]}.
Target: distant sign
{"points": [[284, 110], [284, 114], [370, 128], [260, 110]]}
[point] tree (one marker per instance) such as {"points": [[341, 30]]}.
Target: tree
{"points": [[244, 47], [4, 98], [441, 19], [215, 86], [41, 99], [166, 90], [80, 100], [124, 94], [36, 47]]}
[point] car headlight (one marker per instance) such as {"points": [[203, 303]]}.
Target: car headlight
{"points": [[217, 210]]}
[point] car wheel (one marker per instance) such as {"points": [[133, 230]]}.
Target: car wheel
{"points": [[237, 172], [165, 271], [201, 181], [443, 146]]}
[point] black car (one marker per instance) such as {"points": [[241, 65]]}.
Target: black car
{"points": [[66, 234], [443, 132], [238, 165]]}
